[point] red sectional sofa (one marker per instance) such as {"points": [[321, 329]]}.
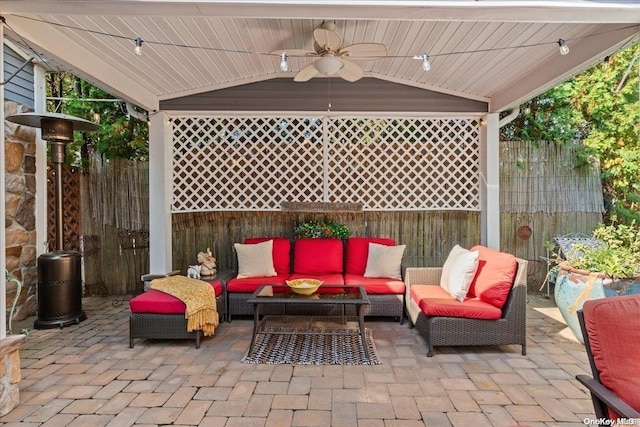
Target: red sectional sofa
{"points": [[492, 313], [334, 261]]}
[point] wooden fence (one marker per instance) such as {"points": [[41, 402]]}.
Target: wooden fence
{"points": [[428, 235], [540, 189], [543, 194]]}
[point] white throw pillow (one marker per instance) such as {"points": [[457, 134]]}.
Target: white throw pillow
{"points": [[456, 251], [462, 274], [384, 261], [255, 260]]}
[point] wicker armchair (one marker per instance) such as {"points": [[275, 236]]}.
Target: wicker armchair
{"points": [[455, 331]]}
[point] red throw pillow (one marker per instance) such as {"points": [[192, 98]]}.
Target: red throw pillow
{"points": [[281, 252], [358, 252], [494, 279], [317, 256]]}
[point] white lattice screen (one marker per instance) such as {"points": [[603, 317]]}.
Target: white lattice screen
{"points": [[255, 163]]}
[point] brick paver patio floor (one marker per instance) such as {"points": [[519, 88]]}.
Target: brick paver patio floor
{"points": [[86, 375]]}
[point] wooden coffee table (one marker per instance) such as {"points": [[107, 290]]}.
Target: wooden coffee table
{"points": [[340, 297]]}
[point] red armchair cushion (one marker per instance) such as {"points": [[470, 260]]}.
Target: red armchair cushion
{"points": [[358, 252], [495, 276], [435, 301], [154, 301], [613, 328], [250, 284], [376, 285], [317, 256], [281, 252]]}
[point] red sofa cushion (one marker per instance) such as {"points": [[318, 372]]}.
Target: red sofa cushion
{"points": [[327, 279], [154, 301], [317, 256], [376, 285], [495, 275], [435, 301], [358, 252], [250, 284], [615, 350], [281, 252]]}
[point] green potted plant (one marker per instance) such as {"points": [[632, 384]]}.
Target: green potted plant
{"points": [[617, 257], [321, 230], [608, 265]]}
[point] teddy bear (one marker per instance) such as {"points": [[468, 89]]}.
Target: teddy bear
{"points": [[207, 263]]}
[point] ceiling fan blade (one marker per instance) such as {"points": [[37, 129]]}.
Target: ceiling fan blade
{"points": [[294, 52], [307, 73], [351, 71], [364, 51], [327, 39]]}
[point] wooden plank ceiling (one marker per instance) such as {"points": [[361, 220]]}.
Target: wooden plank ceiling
{"points": [[492, 52]]}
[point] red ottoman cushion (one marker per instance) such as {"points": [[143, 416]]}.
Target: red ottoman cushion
{"points": [[153, 301]]}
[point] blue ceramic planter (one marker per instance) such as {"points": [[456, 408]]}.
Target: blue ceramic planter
{"points": [[570, 294], [574, 287]]}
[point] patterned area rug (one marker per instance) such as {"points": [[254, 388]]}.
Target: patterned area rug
{"points": [[309, 347]]}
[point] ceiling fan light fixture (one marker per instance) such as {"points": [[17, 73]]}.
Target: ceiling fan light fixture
{"points": [[329, 65]]}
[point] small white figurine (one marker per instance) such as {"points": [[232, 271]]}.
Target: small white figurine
{"points": [[194, 271]]}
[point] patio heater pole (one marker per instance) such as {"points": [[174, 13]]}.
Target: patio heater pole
{"points": [[61, 134], [60, 271]]}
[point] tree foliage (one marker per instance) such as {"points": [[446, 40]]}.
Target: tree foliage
{"points": [[120, 136], [600, 107]]}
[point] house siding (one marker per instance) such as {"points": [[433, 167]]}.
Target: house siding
{"points": [[365, 95], [20, 88]]}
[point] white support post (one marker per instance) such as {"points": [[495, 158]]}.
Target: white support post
{"points": [[489, 167], [40, 106], [3, 259], [160, 194]]}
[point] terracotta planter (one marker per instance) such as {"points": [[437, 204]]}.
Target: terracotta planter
{"points": [[574, 287]]}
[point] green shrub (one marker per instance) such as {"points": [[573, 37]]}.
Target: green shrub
{"points": [[321, 230]]}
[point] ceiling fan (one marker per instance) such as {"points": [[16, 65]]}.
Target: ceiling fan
{"points": [[333, 59]]}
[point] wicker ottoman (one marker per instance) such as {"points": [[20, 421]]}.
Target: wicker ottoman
{"points": [[157, 315]]}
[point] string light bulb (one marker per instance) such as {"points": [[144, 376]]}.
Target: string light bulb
{"points": [[426, 65], [564, 49], [284, 62], [138, 48]]}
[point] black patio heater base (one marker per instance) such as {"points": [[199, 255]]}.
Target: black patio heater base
{"points": [[59, 290], [60, 271]]}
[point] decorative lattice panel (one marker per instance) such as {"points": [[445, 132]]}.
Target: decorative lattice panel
{"points": [[70, 207], [255, 163], [404, 163]]}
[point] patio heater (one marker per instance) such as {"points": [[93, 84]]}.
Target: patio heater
{"points": [[59, 271]]}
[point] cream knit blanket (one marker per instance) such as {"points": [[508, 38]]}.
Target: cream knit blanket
{"points": [[198, 296]]}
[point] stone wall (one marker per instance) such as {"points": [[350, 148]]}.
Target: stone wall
{"points": [[20, 203], [10, 372]]}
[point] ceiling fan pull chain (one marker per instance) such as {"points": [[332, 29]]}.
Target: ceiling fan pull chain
{"points": [[329, 95]]}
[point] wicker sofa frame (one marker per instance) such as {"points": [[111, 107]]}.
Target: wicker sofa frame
{"points": [[455, 331]]}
